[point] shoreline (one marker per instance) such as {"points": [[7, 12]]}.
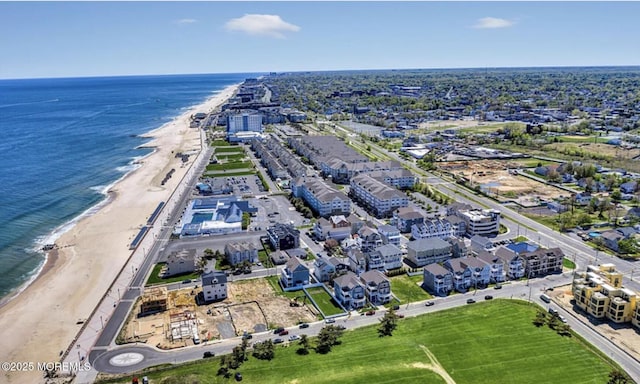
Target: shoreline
{"points": [[40, 320]]}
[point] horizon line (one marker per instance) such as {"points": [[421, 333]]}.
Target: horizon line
{"points": [[323, 70]]}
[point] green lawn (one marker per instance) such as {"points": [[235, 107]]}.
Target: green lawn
{"points": [[155, 280], [228, 174], [568, 263], [324, 301], [231, 165], [488, 342], [231, 156], [228, 149], [219, 143], [407, 290], [273, 282], [532, 162]]}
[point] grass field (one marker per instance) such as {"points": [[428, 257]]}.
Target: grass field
{"points": [[275, 285], [228, 174], [488, 342], [324, 301], [155, 280], [568, 263], [532, 162], [228, 149], [232, 165], [407, 290], [231, 156]]}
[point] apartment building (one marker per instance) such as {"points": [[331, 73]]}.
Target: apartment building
{"points": [[379, 198], [427, 251], [323, 199]]}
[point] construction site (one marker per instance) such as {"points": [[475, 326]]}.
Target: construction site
{"points": [[502, 180], [172, 319]]}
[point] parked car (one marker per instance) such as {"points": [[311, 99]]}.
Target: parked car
{"points": [[294, 337], [488, 297], [497, 286], [395, 307], [562, 318], [329, 321], [278, 330], [400, 316], [370, 313], [278, 341], [429, 303], [304, 325], [283, 333], [187, 281], [208, 354], [470, 301], [553, 312]]}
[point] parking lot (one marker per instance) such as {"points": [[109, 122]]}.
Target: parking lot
{"points": [[274, 209], [245, 185]]}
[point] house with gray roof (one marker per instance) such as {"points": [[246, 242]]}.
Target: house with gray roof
{"points": [[543, 261], [404, 218], [214, 286], [390, 234], [461, 274], [437, 280], [323, 269], [239, 252], [514, 265], [427, 251], [390, 255], [496, 266], [295, 274], [357, 261], [370, 238], [180, 263], [377, 287], [349, 291]]}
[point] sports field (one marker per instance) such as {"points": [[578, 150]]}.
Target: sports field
{"points": [[487, 342]]}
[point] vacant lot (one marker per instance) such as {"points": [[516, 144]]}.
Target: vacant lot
{"points": [[488, 342], [407, 288]]}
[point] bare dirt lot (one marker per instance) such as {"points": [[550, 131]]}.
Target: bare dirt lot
{"points": [[495, 178], [251, 306], [623, 335]]}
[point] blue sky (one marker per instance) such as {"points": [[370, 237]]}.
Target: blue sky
{"points": [[56, 39]]}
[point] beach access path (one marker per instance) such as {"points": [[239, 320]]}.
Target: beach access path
{"points": [[94, 263]]}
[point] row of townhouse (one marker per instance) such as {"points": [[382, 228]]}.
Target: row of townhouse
{"points": [[342, 171], [323, 199], [322, 148], [379, 198], [353, 291], [240, 252], [599, 292], [278, 159], [442, 228], [460, 274]]}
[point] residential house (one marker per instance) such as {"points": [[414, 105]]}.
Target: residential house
{"points": [[375, 262], [628, 187], [391, 256], [294, 274], [543, 262], [611, 239], [349, 291], [323, 270], [377, 287], [180, 263], [214, 286], [480, 271], [389, 234], [370, 237], [437, 280], [583, 198], [496, 266], [459, 247], [337, 228], [427, 251], [404, 218], [461, 274], [238, 253], [279, 257], [357, 261], [432, 228], [283, 236], [514, 265], [480, 243]]}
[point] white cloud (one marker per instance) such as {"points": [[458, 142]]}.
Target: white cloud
{"points": [[261, 25], [186, 21], [492, 23]]}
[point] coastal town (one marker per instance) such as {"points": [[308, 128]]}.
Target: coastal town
{"points": [[297, 219]]}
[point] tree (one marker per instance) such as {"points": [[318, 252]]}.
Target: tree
{"points": [[264, 350], [563, 329], [327, 338], [208, 254], [618, 377], [224, 366], [388, 323], [304, 345], [540, 319]]}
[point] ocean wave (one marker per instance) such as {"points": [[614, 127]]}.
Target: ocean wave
{"points": [[29, 103], [101, 189], [127, 168]]}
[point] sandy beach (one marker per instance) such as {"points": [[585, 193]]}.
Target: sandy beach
{"points": [[41, 321]]}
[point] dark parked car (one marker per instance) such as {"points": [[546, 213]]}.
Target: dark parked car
{"points": [[278, 341], [208, 354], [304, 325], [238, 376], [278, 330], [497, 286], [470, 301], [488, 297], [395, 307], [429, 303], [370, 313]]}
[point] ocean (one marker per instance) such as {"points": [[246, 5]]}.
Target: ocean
{"points": [[66, 141]]}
